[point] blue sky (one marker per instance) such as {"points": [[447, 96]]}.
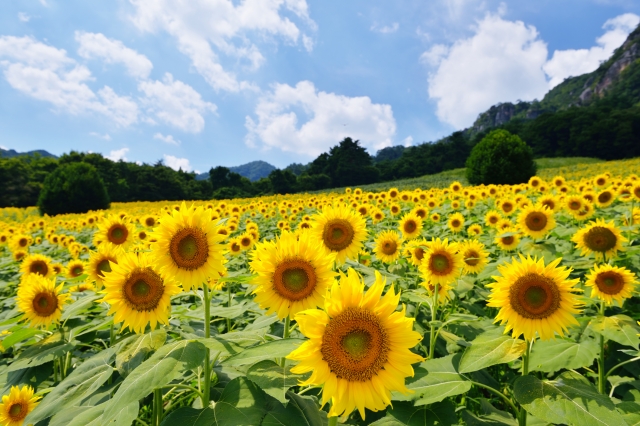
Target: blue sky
{"points": [[202, 83]]}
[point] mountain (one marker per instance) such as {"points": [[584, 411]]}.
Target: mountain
{"points": [[253, 171], [8, 153], [619, 76]]}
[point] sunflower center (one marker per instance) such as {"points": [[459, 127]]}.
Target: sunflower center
{"points": [[189, 248], [455, 223], [45, 304], [508, 240], [493, 219], [143, 289], [294, 279], [410, 226], [103, 266], [507, 207], [471, 258], [534, 296], [150, 221], [536, 221], [338, 234], [76, 271], [419, 253], [575, 205], [23, 242], [389, 247], [600, 239], [609, 282], [355, 345], [39, 267], [17, 411], [440, 264], [117, 234]]}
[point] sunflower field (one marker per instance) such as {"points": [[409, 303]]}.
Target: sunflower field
{"points": [[485, 305]]}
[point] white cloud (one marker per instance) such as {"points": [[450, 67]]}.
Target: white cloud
{"points": [[387, 29], [408, 141], [177, 163], [98, 135], [199, 26], [168, 139], [332, 117], [48, 74], [434, 55], [501, 62], [3, 147], [118, 154], [23, 17], [97, 46], [175, 103], [573, 62]]}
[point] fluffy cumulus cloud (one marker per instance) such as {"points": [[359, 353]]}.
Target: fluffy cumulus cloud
{"points": [[97, 46], [328, 118], [175, 103], [166, 139], [177, 163], [46, 73], [504, 61], [572, 62], [204, 29], [118, 154]]}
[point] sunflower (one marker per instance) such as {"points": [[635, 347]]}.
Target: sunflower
{"points": [[414, 250], [474, 256], [388, 246], [37, 264], [136, 292], [534, 298], [20, 242], [507, 207], [188, 247], [456, 222], [99, 263], [292, 274], [115, 233], [40, 299], [605, 198], [509, 240], [599, 237], [149, 220], [75, 268], [441, 263], [474, 230], [536, 221], [15, 406], [82, 287], [377, 216], [492, 218], [610, 283], [601, 180], [550, 202], [435, 217], [364, 258], [340, 230], [394, 209], [410, 225], [358, 347], [573, 204]]}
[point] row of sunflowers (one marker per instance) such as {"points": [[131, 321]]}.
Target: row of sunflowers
{"points": [[499, 304]]}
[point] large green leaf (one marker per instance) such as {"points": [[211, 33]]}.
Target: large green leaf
{"points": [[230, 312], [489, 349], [160, 369], [79, 385], [619, 328], [78, 306], [491, 417], [630, 411], [301, 410], [406, 414], [133, 352], [434, 380], [18, 336], [553, 355], [40, 353], [570, 399], [269, 350], [273, 379]]}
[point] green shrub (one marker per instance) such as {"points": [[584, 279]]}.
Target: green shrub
{"points": [[73, 188], [500, 158]]}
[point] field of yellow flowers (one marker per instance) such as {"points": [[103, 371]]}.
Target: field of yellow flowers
{"points": [[487, 305]]}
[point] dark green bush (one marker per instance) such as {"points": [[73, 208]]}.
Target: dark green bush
{"points": [[73, 188], [500, 158]]}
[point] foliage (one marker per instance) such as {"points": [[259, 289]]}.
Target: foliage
{"points": [[73, 188], [253, 170], [500, 158]]}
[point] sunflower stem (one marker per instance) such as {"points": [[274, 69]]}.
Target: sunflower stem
{"points": [[112, 335], [333, 421], [434, 314], [500, 394], [157, 407], [602, 377], [522, 416], [285, 335], [207, 333], [228, 306]]}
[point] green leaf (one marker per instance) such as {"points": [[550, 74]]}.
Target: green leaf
{"points": [[619, 328], [553, 355], [42, 352], [490, 348], [273, 379], [262, 322], [434, 380], [568, 399], [491, 417], [78, 306], [269, 350], [231, 312], [160, 369], [406, 414], [80, 384], [301, 410], [134, 351], [18, 336], [630, 411]]}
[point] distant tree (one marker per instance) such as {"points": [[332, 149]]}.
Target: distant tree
{"points": [[500, 158], [283, 181], [389, 153], [297, 168], [73, 188]]}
